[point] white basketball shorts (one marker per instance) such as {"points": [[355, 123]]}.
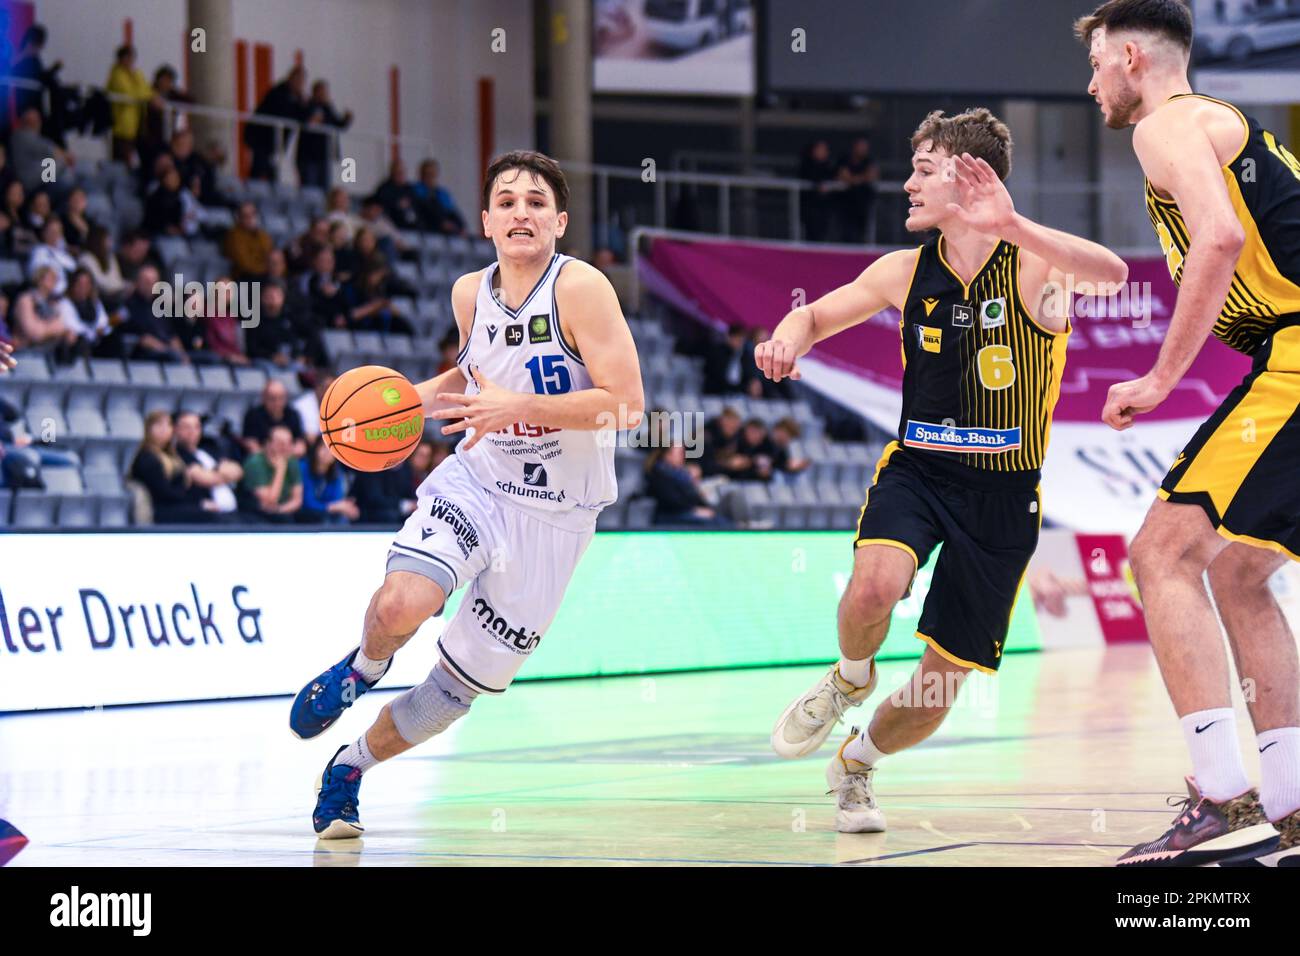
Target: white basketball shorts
{"points": [[516, 567]]}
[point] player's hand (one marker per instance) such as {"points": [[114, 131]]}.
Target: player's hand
{"points": [[7, 360], [491, 410], [1126, 400], [777, 359], [985, 203]]}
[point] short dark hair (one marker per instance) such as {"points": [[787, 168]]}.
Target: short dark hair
{"points": [[976, 131], [1171, 19], [539, 164]]}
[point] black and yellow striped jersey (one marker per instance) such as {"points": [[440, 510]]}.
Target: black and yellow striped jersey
{"points": [[980, 376], [1263, 183]]}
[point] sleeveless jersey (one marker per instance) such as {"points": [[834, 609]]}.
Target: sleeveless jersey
{"points": [[980, 376], [565, 476], [1263, 182]]}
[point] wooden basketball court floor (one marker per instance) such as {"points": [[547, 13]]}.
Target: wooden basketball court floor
{"points": [[1065, 759]]}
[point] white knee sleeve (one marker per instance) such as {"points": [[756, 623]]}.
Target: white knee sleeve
{"points": [[431, 707]]}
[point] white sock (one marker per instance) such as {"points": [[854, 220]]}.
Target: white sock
{"points": [[1279, 771], [1216, 756], [369, 669], [863, 749], [856, 673], [357, 755]]}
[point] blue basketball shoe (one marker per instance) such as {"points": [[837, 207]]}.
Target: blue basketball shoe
{"points": [[337, 796], [323, 701]]}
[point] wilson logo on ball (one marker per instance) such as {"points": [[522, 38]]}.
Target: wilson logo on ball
{"points": [[407, 428]]}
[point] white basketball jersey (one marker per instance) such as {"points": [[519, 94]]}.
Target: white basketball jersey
{"points": [[565, 473]]}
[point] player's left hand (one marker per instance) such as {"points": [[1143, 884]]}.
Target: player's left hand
{"points": [[1128, 399], [7, 360], [985, 203], [491, 410]]}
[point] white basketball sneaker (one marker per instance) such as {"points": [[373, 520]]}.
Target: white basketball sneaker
{"points": [[809, 720], [850, 781]]}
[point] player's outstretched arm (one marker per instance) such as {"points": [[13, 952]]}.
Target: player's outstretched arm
{"points": [[452, 380], [880, 285], [1179, 158], [589, 310], [986, 206]]}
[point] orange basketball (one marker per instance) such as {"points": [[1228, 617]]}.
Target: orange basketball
{"points": [[371, 418]]}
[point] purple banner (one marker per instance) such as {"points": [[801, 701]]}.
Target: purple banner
{"points": [[1115, 338]]}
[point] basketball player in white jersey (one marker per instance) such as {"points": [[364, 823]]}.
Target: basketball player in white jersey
{"points": [[546, 361]]}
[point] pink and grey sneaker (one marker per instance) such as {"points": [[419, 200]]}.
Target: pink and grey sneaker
{"points": [[1207, 832]]}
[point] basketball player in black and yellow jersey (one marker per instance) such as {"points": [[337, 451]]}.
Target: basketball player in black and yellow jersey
{"points": [[1224, 197], [983, 332]]}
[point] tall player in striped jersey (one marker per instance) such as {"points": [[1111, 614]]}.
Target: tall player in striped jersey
{"points": [[984, 328], [1224, 197], [546, 362]]}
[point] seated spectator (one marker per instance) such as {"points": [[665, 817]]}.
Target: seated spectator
{"points": [[52, 252], [91, 316], [448, 350], [724, 369], [127, 83], [18, 238], [100, 261], [324, 293], [273, 479], [222, 328], [382, 228], [198, 176], [754, 445], [783, 435], [190, 324], [39, 209], [170, 210], [438, 212], [384, 497], [721, 454], [317, 147], [157, 466], [274, 411], [248, 245], [154, 337], [308, 403], [341, 243], [325, 489], [427, 456], [281, 339], [40, 320], [676, 492], [338, 209], [76, 225], [134, 252], [396, 196], [218, 478], [369, 307], [29, 151], [21, 457], [303, 249]]}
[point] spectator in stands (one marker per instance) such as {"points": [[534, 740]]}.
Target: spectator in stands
{"points": [[221, 324], [274, 411], [384, 497], [39, 209], [784, 461], [130, 91], [76, 224], [280, 338], [273, 479], [325, 489], [157, 466], [52, 251], [190, 325], [134, 252], [448, 350], [374, 221], [396, 195], [153, 131], [317, 148], [19, 238], [721, 455], [27, 65], [815, 203], [676, 491], [724, 364], [155, 339], [307, 404], [325, 293], [755, 445], [302, 250], [858, 173], [423, 460], [21, 458], [40, 322], [198, 176], [286, 100], [216, 478], [248, 245], [31, 150], [338, 210], [100, 261], [438, 212], [370, 308], [91, 316], [164, 210]]}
